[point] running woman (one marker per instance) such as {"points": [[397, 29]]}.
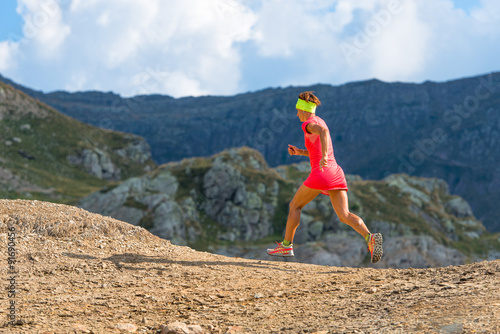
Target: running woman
{"points": [[326, 177]]}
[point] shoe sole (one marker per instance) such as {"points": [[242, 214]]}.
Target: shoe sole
{"points": [[377, 249], [282, 255]]}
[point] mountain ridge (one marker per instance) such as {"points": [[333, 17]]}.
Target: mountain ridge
{"points": [[271, 88]]}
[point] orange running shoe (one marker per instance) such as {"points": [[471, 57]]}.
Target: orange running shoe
{"points": [[375, 247], [281, 250]]}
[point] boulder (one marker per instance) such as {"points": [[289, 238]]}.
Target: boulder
{"points": [[458, 207], [181, 328]]}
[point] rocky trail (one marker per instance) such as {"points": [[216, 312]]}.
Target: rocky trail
{"points": [[78, 272]]}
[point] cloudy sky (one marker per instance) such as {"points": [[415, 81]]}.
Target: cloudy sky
{"points": [[225, 47]]}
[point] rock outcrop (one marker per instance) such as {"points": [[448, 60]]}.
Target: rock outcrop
{"points": [[232, 201], [100, 163], [181, 201]]}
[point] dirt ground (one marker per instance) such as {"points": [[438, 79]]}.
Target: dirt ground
{"points": [[78, 272]]}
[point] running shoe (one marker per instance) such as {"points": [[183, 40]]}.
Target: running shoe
{"points": [[281, 250], [375, 247]]}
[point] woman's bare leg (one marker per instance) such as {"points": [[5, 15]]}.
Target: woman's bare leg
{"points": [[303, 196], [341, 206]]}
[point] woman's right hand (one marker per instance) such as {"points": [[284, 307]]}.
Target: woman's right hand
{"points": [[293, 150]]}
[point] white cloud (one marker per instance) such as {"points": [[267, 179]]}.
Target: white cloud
{"points": [[176, 83], [194, 47], [77, 81], [332, 41], [193, 41], [401, 48], [43, 25], [286, 28], [488, 16], [111, 43], [8, 52], [458, 43], [392, 40]]}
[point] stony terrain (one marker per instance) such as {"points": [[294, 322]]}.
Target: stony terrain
{"points": [[79, 272], [233, 202]]}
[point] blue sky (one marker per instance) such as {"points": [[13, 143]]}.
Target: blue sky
{"points": [[11, 23], [225, 47]]}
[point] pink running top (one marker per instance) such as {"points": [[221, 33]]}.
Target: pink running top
{"points": [[313, 145]]}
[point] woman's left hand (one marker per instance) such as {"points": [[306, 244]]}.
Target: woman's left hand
{"points": [[323, 162], [293, 150]]}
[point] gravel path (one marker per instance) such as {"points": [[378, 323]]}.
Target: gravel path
{"points": [[78, 272]]}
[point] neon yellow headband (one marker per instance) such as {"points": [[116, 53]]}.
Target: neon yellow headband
{"points": [[306, 106]]}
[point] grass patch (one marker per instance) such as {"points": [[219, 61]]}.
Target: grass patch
{"points": [[189, 180], [131, 202], [396, 208], [147, 221], [210, 229], [285, 195], [480, 246]]}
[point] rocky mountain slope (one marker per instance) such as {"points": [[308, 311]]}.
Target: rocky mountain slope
{"points": [[233, 203], [85, 273], [47, 155], [446, 130]]}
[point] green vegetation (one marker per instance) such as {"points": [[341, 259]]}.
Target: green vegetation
{"points": [[394, 210], [131, 202], [285, 195], [209, 230], [189, 176], [37, 143], [147, 221], [480, 246]]}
